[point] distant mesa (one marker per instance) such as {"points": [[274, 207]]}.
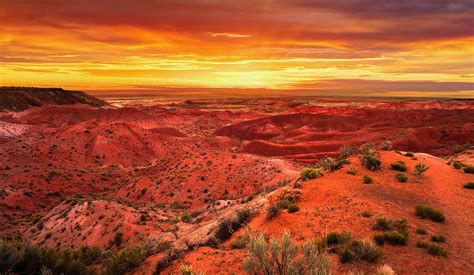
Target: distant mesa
{"points": [[21, 98]]}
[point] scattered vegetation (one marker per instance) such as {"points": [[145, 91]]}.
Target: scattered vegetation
{"points": [[273, 211], [292, 208], [399, 166], [401, 177], [124, 260], [386, 145], [24, 258], [310, 173], [366, 214], [331, 164], [367, 179], [347, 151], [357, 250], [280, 256], [468, 169], [469, 185], [335, 238], [395, 231], [409, 154], [228, 226], [352, 171], [369, 157], [433, 248], [420, 169], [438, 238], [424, 211], [458, 165], [421, 231]]}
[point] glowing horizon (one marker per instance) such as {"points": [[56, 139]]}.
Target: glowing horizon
{"points": [[422, 48]]}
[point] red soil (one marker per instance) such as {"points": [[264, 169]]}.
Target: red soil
{"points": [[83, 173]]}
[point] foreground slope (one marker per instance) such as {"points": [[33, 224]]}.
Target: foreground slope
{"points": [[334, 203]]}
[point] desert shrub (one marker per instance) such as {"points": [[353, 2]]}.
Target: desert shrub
{"points": [[469, 185], [366, 214], [124, 260], [331, 164], [118, 238], [89, 254], [409, 154], [433, 249], [369, 157], [438, 238], [399, 166], [310, 173], [386, 145], [391, 237], [384, 270], [272, 211], [283, 204], [360, 251], [468, 169], [347, 151], [352, 171], [424, 211], [367, 179], [280, 256], [421, 231], [420, 169], [458, 165], [335, 238], [228, 226], [292, 208], [186, 218], [23, 258], [384, 224], [240, 242], [401, 177]]}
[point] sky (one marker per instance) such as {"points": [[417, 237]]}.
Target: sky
{"points": [[351, 47]]}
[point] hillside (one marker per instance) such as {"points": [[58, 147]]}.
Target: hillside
{"points": [[21, 98]]}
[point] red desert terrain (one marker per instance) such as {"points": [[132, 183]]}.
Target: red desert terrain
{"points": [[166, 185]]}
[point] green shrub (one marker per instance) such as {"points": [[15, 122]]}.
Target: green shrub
{"points": [[310, 173], [421, 231], [424, 211], [399, 166], [18, 257], [272, 211], [335, 238], [433, 248], [186, 218], [409, 154], [280, 256], [401, 177], [124, 260], [458, 165], [469, 185], [420, 169], [469, 169], [331, 164], [391, 237], [369, 157], [293, 208], [283, 204], [352, 171], [438, 238], [366, 214], [367, 179], [240, 242], [118, 238], [384, 224], [360, 251]]}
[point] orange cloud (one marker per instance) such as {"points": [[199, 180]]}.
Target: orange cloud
{"points": [[271, 45]]}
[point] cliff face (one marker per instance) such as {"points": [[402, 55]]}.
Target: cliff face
{"points": [[22, 98]]}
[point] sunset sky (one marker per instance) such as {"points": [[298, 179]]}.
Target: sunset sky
{"points": [[354, 47]]}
